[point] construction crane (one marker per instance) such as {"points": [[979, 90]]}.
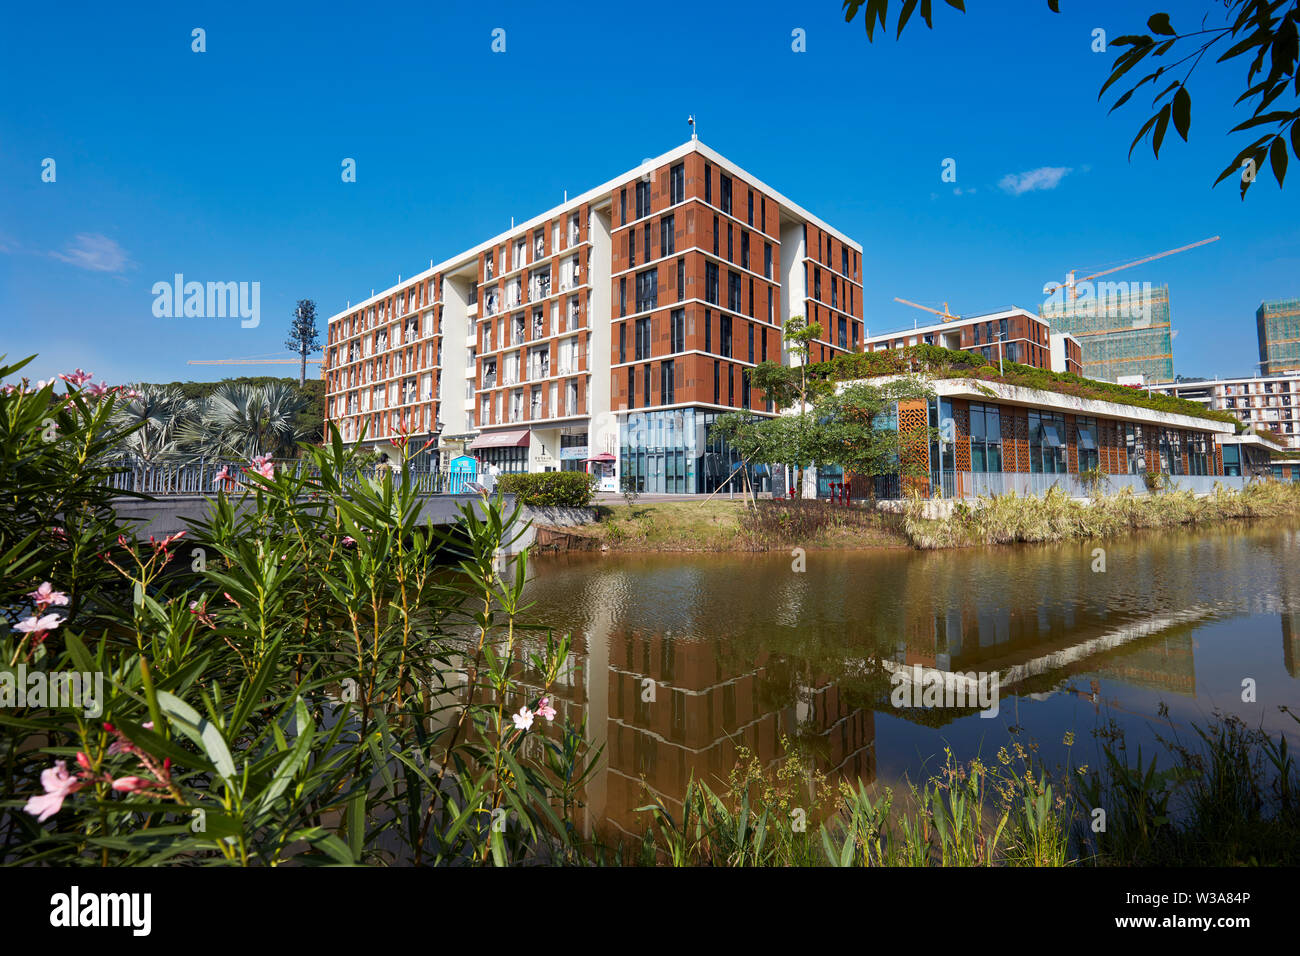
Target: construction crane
{"points": [[1070, 280], [945, 314], [253, 361]]}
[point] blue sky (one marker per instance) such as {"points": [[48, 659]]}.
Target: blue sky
{"points": [[225, 165]]}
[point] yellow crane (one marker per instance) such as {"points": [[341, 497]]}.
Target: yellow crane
{"points": [[1070, 280], [253, 361], [945, 314]]}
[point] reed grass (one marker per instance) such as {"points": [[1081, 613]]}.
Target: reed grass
{"points": [[1055, 516]]}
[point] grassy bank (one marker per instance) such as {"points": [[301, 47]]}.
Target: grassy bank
{"points": [[1226, 798], [726, 525], [1010, 518]]}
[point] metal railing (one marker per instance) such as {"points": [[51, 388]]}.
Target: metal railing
{"points": [[966, 484], [162, 479]]}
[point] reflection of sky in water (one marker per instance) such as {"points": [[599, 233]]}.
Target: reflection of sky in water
{"points": [[755, 650]]}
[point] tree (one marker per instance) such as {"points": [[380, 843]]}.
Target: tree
{"points": [[303, 335], [853, 430], [243, 421], [789, 386], [160, 412], [849, 429], [1267, 30]]}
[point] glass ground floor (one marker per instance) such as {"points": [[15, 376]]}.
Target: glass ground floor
{"points": [[673, 451]]}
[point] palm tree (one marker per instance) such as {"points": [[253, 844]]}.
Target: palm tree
{"points": [[243, 421], [157, 414]]}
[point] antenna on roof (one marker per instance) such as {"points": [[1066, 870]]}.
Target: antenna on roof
{"points": [[695, 134]]}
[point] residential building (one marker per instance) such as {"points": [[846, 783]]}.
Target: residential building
{"points": [[1269, 403], [615, 326], [1278, 326], [1124, 328], [1013, 334]]}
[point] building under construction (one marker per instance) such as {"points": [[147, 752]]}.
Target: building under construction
{"points": [[1123, 327], [1278, 324]]}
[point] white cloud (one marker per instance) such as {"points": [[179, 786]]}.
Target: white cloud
{"points": [[90, 250], [1044, 177]]}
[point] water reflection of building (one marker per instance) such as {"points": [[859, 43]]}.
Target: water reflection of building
{"points": [[677, 711]]}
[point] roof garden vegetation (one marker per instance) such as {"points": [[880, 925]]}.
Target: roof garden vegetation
{"points": [[937, 362]]}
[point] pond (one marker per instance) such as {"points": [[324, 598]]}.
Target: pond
{"points": [[682, 658]]}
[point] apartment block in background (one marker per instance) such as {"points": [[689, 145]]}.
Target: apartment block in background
{"points": [[1124, 329], [613, 327], [1264, 402], [1278, 326], [1013, 334]]}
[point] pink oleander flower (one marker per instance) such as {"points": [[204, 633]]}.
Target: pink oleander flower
{"points": [[524, 719], [58, 784], [45, 595], [263, 466], [545, 709], [167, 541], [97, 391], [38, 625], [349, 541], [78, 377], [131, 784], [8, 389]]}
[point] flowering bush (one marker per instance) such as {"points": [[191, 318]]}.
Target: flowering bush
{"points": [[321, 677]]}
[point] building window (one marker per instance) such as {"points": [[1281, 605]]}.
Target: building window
{"points": [[681, 280], [767, 260], [725, 183], [708, 184], [1047, 451], [985, 438], [645, 381], [642, 199], [751, 207], [717, 394], [646, 234], [667, 239], [843, 333], [677, 184], [622, 296], [647, 290], [677, 330], [711, 282], [733, 291], [666, 383], [642, 338], [724, 335], [817, 282], [622, 343], [731, 257], [631, 386], [708, 331], [744, 388], [717, 232], [744, 249], [622, 206], [631, 247], [750, 326], [1085, 430]]}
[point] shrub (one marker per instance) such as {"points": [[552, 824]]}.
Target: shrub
{"points": [[556, 489], [329, 681]]}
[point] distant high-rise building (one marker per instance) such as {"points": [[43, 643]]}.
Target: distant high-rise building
{"points": [[1278, 325], [1123, 328]]}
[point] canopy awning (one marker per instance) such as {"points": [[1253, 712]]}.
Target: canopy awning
{"points": [[603, 456], [512, 439]]}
